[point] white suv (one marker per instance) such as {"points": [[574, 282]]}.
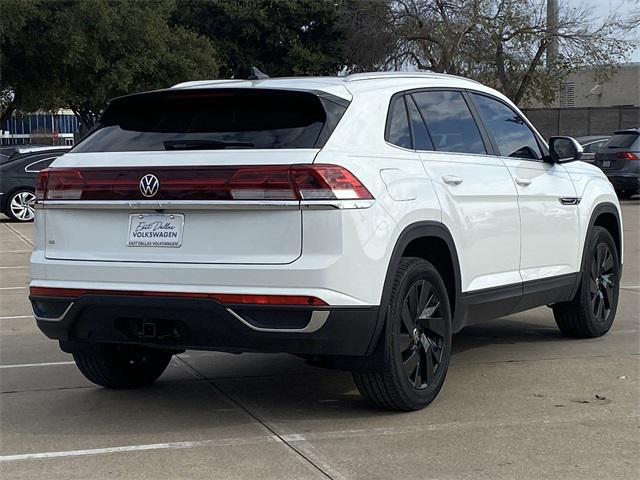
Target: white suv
{"points": [[357, 222]]}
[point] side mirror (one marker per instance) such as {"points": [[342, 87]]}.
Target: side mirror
{"points": [[564, 149]]}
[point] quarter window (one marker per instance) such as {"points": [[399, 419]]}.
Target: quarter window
{"points": [[449, 122], [421, 139], [511, 133], [398, 131]]}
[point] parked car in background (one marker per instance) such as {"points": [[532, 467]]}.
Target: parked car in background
{"points": [[590, 145], [8, 150], [619, 159], [18, 173]]}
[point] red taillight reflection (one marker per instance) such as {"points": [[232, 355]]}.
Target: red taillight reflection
{"points": [[627, 156], [260, 182], [297, 300], [41, 184]]}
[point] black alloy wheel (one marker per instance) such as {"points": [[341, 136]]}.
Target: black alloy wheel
{"points": [[421, 337]]}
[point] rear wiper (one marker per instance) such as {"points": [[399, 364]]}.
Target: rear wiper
{"points": [[204, 144]]}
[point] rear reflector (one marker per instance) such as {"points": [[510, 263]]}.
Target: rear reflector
{"points": [[291, 300], [271, 182], [627, 156]]}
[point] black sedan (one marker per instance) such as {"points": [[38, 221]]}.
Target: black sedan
{"points": [[18, 173]]}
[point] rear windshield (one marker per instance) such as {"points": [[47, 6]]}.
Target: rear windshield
{"points": [[622, 140], [215, 119]]}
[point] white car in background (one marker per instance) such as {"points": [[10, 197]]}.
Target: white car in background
{"points": [[357, 222]]}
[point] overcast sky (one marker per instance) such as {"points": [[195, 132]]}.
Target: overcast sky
{"points": [[602, 7]]}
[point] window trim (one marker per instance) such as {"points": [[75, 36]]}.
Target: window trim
{"points": [[387, 126], [27, 168], [486, 140], [542, 145], [490, 145]]}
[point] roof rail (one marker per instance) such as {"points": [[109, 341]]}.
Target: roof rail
{"points": [[355, 77]]}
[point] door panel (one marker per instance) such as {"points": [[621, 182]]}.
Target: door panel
{"points": [[550, 230], [482, 214]]}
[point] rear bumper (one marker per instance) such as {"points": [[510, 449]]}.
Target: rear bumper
{"points": [[625, 183], [205, 324]]}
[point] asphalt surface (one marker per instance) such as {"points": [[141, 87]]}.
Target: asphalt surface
{"points": [[520, 401]]}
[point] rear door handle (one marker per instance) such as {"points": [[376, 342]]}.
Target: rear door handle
{"points": [[523, 182], [452, 180]]}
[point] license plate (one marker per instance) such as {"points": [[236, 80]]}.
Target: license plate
{"points": [[155, 230], [606, 164]]}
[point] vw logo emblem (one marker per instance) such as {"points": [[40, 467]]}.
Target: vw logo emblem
{"points": [[149, 185]]}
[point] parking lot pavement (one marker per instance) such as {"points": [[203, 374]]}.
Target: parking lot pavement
{"points": [[520, 401]]}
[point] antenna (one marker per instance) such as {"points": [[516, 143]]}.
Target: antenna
{"points": [[257, 74]]}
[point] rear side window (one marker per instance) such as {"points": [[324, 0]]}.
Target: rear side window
{"points": [[622, 140], [215, 119], [511, 133], [449, 122], [398, 130], [593, 147]]}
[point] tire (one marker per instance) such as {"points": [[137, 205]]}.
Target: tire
{"points": [[122, 366], [418, 329], [20, 206], [592, 311]]}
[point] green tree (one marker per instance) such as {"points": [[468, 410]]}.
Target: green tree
{"points": [[502, 43], [80, 53], [281, 37]]}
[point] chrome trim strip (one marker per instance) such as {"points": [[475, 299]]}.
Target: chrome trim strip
{"points": [[172, 204], [205, 204], [318, 319], [335, 204], [57, 319], [570, 200]]}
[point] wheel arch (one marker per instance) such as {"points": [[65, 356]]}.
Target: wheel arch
{"points": [[433, 242], [607, 216]]}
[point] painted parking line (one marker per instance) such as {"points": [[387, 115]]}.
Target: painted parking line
{"points": [[27, 365], [16, 251], [13, 288], [16, 317], [15, 267], [320, 436], [137, 448]]}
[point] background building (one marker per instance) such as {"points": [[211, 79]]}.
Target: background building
{"points": [[586, 105]]}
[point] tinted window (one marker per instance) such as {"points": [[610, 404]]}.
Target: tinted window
{"points": [[213, 119], [622, 140], [449, 122], [398, 131], [421, 140], [33, 165], [593, 147], [513, 136]]}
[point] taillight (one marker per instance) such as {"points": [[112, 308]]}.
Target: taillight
{"points": [[327, 182], [627, 156], [269, 182]]}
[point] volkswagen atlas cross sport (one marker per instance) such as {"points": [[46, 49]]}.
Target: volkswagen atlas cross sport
{"points": [[357, 222]]}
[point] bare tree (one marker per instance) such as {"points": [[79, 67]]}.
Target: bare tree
{"points": [[503, 43]]}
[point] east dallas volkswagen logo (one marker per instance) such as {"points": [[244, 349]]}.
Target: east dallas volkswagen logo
{"points": [[149, 185]]}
